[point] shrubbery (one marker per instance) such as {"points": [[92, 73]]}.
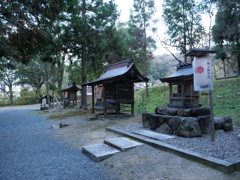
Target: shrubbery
{"points": [[26, 97]]}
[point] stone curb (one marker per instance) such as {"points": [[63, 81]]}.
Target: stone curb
{"points": [[221, 165]]}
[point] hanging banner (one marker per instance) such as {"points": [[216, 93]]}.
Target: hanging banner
{"points": [[202, 72]]}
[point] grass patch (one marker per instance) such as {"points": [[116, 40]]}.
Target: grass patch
{"points": [[226, 99]]}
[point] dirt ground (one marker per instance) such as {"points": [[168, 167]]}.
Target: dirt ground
{"points": [[144, 162]]}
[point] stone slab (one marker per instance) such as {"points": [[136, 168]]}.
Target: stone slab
{"points": [[236, 161], [99, 152], [222, 165], [122, 143], [153, 135]]}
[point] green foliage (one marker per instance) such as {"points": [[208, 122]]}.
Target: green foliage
{"points": [[183, 21], [158, 96], [141, 44], [226, 33], [24, 25], [159, 70], [26, 97], [226, 98], [4, 101]]}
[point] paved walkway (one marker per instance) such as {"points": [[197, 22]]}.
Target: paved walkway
{"points": [[29, 150]]}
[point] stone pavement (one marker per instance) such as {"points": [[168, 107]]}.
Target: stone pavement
{"points": [[99, 152]]}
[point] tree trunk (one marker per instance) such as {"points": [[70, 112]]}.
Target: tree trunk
{"points": [[145, 49], [60, 78], [84, 59], [47, 85], [11, 95]]}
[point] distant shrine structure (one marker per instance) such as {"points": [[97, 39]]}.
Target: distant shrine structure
{"points": [[70, 95], [113, 92]]}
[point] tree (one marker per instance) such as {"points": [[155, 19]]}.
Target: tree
{"points": [[159, 70], [32, 74], [225, 32], [23, 25], [88, 33], [208, 6], [8, 77], [183, 20], [142, 45]]}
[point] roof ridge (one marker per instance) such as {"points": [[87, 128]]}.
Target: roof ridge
{"points": [[123, 63]]}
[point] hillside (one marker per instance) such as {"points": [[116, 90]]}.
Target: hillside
{"points": [[226, 99]]}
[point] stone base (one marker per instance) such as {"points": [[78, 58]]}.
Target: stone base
{"points": [[192, 122]]}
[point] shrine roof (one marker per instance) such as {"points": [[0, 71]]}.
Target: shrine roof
{"points": [[71, 87], [199, 52], [184, 71], [123, 71]]}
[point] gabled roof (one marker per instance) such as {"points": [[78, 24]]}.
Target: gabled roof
{"points": [[199, 52], [183, 72], [123, 71], [72, 87]]}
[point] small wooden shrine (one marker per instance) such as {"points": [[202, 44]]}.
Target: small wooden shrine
{"points": [[183, 96], [114, 90], [70, 95]]}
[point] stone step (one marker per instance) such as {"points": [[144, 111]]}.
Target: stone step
{"points": [[122, 143], [99, 152], [153, 135]]}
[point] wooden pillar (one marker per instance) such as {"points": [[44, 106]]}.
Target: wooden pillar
{"points": [[132, 105], [132, 109], [104, 102], [64, 103], [76, 98], [117, 99], [93, 100], [170, 92]]}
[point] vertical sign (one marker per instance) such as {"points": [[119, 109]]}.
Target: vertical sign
{"points": [[202, 74], [202, 71]]}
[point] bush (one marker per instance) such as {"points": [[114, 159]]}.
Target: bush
{"points": [[26, 97]]}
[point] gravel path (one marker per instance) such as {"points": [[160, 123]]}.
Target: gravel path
{"points": [[29, 150], [226, 144]]}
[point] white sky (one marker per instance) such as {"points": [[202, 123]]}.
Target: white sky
{"points": [[124, 7]]}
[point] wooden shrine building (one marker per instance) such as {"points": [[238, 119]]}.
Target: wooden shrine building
{"points": [[183, 95], [114, 90], [70, 95]]}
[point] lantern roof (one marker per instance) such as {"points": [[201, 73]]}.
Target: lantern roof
{"points": [[199, 52]]}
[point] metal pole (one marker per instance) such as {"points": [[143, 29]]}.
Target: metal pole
{"points": [[211, 116]]}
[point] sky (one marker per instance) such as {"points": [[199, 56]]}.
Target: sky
{"points": [[124, 7]]}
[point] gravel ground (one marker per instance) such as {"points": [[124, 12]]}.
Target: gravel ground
{"points": [[29, 150], [226, 144]]}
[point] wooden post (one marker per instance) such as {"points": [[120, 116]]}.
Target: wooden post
{"points": [[212, 116], [93, 100], [104, 102], [170, 92]]}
